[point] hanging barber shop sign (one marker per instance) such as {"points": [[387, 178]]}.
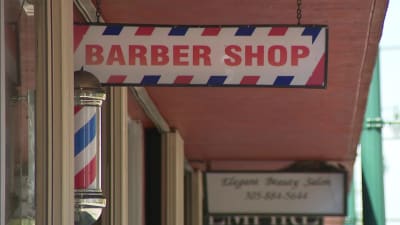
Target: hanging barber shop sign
{"points": [[275, 56]]}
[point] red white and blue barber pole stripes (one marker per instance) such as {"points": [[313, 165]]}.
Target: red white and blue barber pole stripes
{"points": [[116, 67], [85, 147]]}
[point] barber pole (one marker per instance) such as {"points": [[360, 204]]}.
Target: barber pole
{"points": [[89, 199], [86, 144], [88, 100]]}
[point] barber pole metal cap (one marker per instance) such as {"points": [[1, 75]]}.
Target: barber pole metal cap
{"points": [[88, 90]]}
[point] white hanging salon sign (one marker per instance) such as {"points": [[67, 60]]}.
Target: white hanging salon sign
{"points": [[264, 193], [143, 55]]}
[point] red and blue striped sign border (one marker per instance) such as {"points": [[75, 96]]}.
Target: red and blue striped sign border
{"points": [[318, 79]]}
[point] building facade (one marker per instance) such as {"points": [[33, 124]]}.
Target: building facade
{"points": [[156, 144]]}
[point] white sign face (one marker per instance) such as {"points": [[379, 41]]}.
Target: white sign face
{"points": [[276, 193], [276, 56]]}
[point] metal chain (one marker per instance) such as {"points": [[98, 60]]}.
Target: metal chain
{"points": [[98, 10], [299, 13]]}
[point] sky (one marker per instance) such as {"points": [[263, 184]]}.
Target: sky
{"points": [[390, 105]]}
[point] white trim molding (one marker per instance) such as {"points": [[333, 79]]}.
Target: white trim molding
{"points": [[55, 116], [173, 178]]}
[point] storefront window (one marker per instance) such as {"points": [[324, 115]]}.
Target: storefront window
{"points": [[18, 107]]}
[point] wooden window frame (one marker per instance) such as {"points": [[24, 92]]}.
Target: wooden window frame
{"points": [[2, 116], [54, 104]]}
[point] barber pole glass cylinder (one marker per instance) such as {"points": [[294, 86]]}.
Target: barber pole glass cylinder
{"points": [[87, 143], [89, 199]]}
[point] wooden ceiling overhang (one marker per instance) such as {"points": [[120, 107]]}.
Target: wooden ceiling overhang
{"points": [[245, 124]]}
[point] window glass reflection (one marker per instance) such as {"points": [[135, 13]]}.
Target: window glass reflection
{"points": [[20, 61]]}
